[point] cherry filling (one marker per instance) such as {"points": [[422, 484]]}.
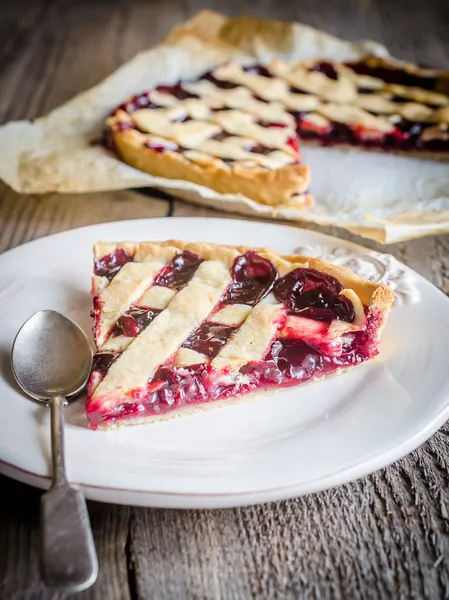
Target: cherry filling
{"points": [[177, 91], [392, 75], [180, 271], [252, 278], [327, 69], [260, 149], [109, 265], [209, 338], [136, 103], [288, 362], [144, 100], [314, 295], [406, 136], [224, 85], [219, 137], [134, 321], [103, 360], [259, 70]]}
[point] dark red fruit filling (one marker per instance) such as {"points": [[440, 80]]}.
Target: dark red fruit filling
{"points": [[144, 100], [391, 75], [326, 68], [405, 137], [288, 363], [295, 90], [252, 279], [134, 321], [221, 136], [260, 149], [314, 295], [294, 144], [209, 338], [177, 91], [109, 265], [259, 70], [136, 103], [103, 360], [224, 85], [180, 271], [177, 386]]}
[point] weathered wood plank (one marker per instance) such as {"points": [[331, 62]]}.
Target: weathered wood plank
{"points": [[384, 536], [19, 547], [24, 218]]}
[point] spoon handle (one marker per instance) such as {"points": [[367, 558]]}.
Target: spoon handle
{"points": [[57, 404], [68, 558]]}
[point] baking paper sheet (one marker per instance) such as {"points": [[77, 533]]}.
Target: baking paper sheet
{"points": [[382, 197]]}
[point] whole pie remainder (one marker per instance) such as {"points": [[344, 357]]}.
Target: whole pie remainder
{"points": [[182, 327], [236, 129]]}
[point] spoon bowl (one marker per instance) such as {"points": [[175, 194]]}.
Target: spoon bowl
{"points": [[51, 356], [51, 360]]}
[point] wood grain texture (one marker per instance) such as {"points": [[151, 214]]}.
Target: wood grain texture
{"points": [[19, 547], [384, 536]]}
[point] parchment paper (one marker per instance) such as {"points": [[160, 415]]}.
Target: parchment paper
{"points": [[382, 197]]}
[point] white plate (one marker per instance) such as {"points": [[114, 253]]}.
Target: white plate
{"points": [[302, 440]]}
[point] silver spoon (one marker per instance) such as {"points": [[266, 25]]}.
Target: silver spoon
{"points": [[51, 360]]}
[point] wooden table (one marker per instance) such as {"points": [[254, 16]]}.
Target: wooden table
{"points": [[385, 536]]}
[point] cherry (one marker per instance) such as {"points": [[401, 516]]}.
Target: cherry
{"points": [[327, 69], [224, 85], [294, 143], [253, 277], [134, 321], [103, 360], [109, 265], [313, 295], [259, 70], [260, 149], [209, 338], [172, 385], [392, 75], [176, 90], [179, 272]]}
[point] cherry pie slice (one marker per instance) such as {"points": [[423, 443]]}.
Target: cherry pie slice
{"points": [[182, 327]]}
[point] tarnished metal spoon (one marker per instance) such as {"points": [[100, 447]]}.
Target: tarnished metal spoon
{"points": [[51, 360]]}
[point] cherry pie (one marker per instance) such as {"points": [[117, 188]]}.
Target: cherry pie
{"points": [[236, 129], [182, 327]]}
